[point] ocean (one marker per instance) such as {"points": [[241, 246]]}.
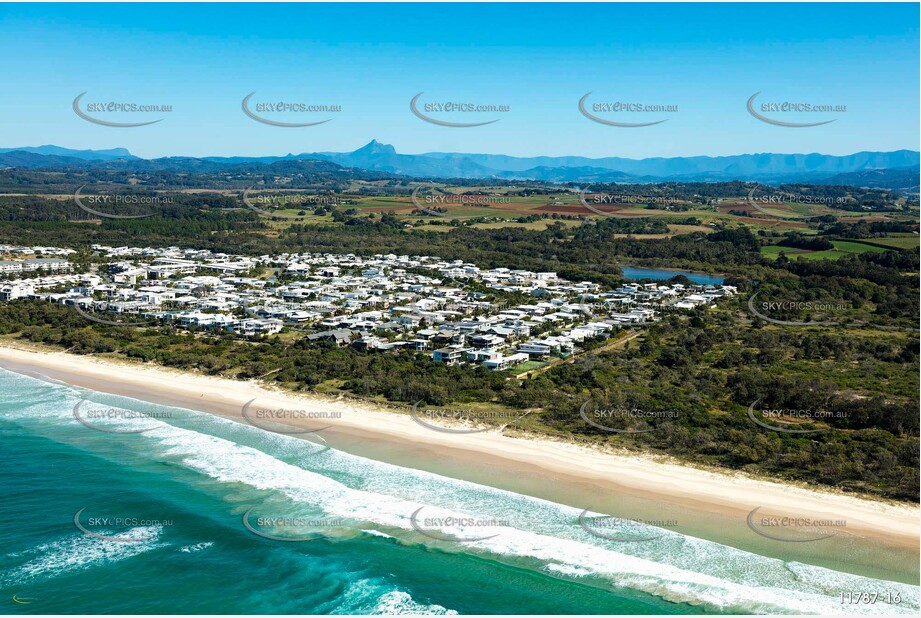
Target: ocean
{"points": [[143, 508]]}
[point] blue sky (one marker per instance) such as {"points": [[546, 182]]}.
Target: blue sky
{"points": [[539, 59]]}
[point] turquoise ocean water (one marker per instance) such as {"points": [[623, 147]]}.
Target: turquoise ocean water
{"points": [[162, 517]]}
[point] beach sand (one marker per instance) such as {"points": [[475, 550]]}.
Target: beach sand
{"points": [[879, 539]]}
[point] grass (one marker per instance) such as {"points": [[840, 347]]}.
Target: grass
{"points": [[842, 248], [854, 247], [897, 242], [773, 251], [529, 366], [831, 254]]}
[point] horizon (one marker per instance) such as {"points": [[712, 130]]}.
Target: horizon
{"points": [[861, 57], [398, 151]]}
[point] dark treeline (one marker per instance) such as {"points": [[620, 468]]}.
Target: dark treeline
{"points": [[833, 196], [175, 173], [797, 240], [864, 229]]}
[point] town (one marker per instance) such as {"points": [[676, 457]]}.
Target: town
{"points": [[453, 310]]}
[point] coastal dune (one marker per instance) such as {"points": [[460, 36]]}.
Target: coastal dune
{"points": [[694, 492]]}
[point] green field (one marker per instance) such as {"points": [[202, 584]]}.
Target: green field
{"points": [[854, 246], [773, 251], [898, 241], [842, 248]]}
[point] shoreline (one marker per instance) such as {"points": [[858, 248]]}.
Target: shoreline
{"points": [[711, 503]]}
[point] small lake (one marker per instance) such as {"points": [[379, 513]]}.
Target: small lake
{"points": [[655, 273]]}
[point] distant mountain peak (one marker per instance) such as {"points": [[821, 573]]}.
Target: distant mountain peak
{"points": [[374, 147]]}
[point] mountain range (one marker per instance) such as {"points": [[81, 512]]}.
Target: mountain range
{"points": [[86, 155], [894, 170]]}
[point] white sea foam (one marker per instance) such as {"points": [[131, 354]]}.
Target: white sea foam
{"points": [[383, 535], [540, 534], [398, 602], [567, 569], [741, 589], [373, 597], [189, 549], [78, 551]]}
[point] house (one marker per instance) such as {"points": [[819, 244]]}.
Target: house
{"points": [[130, 276], [484, 340], [420, 345], [448, 336], [205, 320], [500, 363], [478, 356], [534, 349], [341, 337], [256, 327], [10, 266], [501, 332], [369, 342], [49, 264], [450, 355], [16, 290]]}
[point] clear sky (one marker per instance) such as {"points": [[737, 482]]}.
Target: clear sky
{"points": [[539, 59]]}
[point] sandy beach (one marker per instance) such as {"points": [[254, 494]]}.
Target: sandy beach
{"points": [[570, 470]]}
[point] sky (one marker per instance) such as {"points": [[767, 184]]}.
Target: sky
{"points": [[539, 60]]}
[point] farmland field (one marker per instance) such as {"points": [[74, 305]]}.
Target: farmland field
{"points": [[842, 248], [497, 207], [898, 241]]}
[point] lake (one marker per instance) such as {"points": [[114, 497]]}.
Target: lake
{"points": [[654, 273]]}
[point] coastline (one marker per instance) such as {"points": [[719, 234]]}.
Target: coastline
{"points": [[708, 503]]}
